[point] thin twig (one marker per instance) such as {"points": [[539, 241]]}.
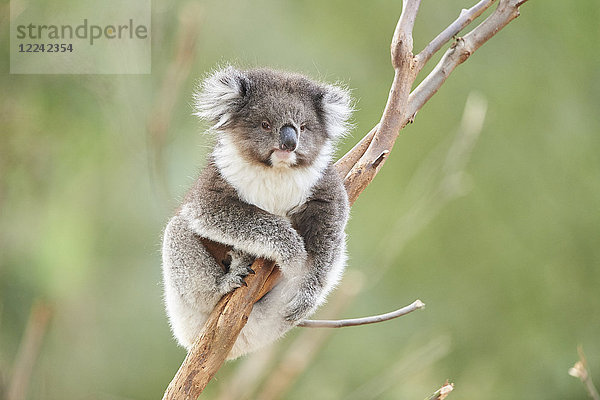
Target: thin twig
{"points": [[442, 392], [460, 51], [341, 323], [580, 370], [463, 20]]}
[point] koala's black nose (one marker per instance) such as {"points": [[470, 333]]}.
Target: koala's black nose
{"points": [[288, 138]]}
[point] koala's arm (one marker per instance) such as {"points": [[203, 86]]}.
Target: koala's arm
{"points": [[321, 224], [214, 211]]}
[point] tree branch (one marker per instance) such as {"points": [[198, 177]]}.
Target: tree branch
{"points": [[347, 162], [460, 51], [463, 20], [359, 167], [393, 118], [401, 107], [341, 323], [218, 336], [442, 392], [580, 370]]}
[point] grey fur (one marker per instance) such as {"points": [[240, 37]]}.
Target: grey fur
{"points": [[290, 207]]}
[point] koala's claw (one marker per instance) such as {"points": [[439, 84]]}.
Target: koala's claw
{"points": [[239, 268], [229, 282]]}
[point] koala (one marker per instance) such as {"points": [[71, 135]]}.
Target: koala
{"points": [[269, 190]]}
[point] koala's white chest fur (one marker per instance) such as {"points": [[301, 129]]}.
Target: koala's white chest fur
{"points": [[274, 189]]}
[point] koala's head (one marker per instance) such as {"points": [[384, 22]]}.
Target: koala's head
{"points": [[274, 118]]}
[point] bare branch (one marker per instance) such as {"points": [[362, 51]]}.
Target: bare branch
{"points": [[402, 42], [393, 118], [345, 164], [460, 51], [463, 20], [442, 392], [341, 323], [218, 336], [400, 110], [580, 370]]}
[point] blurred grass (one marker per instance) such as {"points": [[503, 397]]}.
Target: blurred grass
{"points": [[509, 272]]}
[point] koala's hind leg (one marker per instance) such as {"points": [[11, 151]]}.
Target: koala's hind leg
{"points": [[194, 281]]}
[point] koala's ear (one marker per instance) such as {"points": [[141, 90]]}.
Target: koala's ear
{"points": [[220, 94], [337, 108]]}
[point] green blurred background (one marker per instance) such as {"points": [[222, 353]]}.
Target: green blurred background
{"points": [[92, 166]]}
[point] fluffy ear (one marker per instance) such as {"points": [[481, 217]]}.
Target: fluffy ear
{"points": [[337, 109], [220, 94]]}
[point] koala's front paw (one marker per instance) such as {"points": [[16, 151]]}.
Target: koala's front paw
{"points": [[240, 263], [239, 268]]}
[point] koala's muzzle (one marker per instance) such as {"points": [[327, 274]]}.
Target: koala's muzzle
{"points": [[288, 138]]}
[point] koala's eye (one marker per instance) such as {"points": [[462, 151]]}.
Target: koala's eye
{"points": [[266, 125], [302, 127]]}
